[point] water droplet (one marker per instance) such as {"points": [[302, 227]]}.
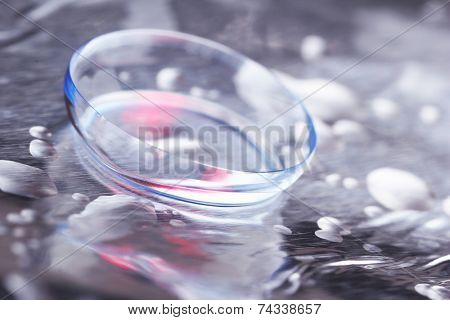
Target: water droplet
{"points": [[34, 244], [429, 114], [373, 211], [18, 232], [331, 236], [397, 189], [371, 248], [350, 183], [349, 130], [20, 179], [42, 149], [446, 205], [329, 223], [384, 109], [40, 132], [331, 100], [14, 218], [3, 230], [333, 179], [28, 215], [124, 76], [177, 223], [4, 80], [282, 229], [80, 197], [18, 248], [197, 92], [312, 47], [213, 94], [168, 79]]}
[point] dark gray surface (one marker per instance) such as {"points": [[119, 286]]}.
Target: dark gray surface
{"points": [[236, 259]]}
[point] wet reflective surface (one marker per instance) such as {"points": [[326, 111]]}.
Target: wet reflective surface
{"points": [[369, 221]]}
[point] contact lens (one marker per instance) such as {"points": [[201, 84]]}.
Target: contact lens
{"points": [[173, 114]]}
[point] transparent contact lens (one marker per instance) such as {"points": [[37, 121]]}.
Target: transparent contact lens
{"points": [[167, 113]]}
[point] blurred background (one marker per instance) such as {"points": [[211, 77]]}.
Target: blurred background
{"points": [[381, 169]]}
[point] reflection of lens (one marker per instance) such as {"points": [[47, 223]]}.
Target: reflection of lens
{"points": [[169, 113]]}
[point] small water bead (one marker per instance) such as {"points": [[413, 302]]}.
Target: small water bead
{"points": [[398, 189], [80, 197], [213, 94], [312, 47], [28, 215], [384, 109], [446, 205], [40, 132], [333, 179], [349, 130], [124, 76], [332, 101], [331, 236], [371, 248], [15, 218], [23, 180], [282, 229], [429, 114], [168, 78], [4, 80], [350, 183], [329, 223], [42, 149], [373, 211], [34, 244], [177, 223], [18, 248], [18, 232], [197, 92]]}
